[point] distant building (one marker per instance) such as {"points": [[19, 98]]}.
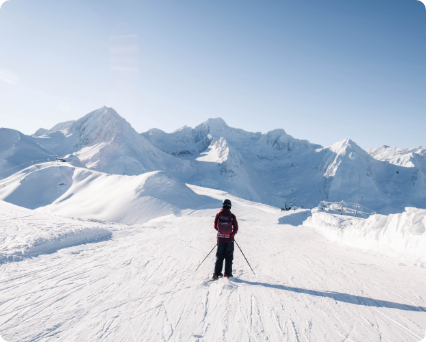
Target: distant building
{"points": [[61, 160]]}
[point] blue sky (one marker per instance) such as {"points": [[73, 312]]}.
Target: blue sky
{"points": [[324, 70]]}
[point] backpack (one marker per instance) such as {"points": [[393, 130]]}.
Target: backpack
{"points": [[224, 225]]}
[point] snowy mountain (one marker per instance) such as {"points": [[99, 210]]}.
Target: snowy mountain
{"points": [[186, 140], [99, 256], [272, 168], [102, 140], [277, 169], [228, 158], [407, 157], [350, 173], [18, 151], [63, 126]]}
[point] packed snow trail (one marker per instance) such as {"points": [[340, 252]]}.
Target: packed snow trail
{"points": [[140, 286]]}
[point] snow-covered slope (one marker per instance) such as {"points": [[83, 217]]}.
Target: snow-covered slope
{"points": [[141, 284], [20, 240], [221, 166], [54, 139], [18, 151], [62, 189], [103, 141]]}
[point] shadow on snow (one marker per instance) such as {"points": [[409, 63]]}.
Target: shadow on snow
{"points": [[295, 219], [340, 297]]}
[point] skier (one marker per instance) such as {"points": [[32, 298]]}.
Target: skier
{"points": [[227, 226]]}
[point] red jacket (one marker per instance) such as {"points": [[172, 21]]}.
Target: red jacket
{"points": [[234, 226]]}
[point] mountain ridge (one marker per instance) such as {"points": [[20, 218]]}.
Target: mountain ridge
{"points": [[273, 167], [18, 150], [104, 141]]}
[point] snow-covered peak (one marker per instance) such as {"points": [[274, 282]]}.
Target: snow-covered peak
{"points": [[60, 127], [104, 113], [182, 129], [40, 132], [406, 157], [215, 124], [346, 148], [100, 125], [63, 126], [278, 139], [102, 140], [345, 154], [387, 153], [218, 128], [187, 141], [342, 145]]}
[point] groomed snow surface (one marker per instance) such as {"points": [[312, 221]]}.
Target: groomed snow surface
{"points": [[137, 282]]}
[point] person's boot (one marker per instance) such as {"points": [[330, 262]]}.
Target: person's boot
{"points": [[228, 275], [216, 276]]}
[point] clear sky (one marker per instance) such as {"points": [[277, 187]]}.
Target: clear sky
{"points": [[324, 70]]}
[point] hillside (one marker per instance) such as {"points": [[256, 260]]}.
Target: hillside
{"points": [[62, 189], [139, 283], [18, 151]]}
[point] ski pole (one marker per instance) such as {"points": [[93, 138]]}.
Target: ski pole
{"points": [[205, 258], [244, 256]]}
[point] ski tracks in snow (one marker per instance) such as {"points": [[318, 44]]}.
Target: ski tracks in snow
{"points": [[141, 286]]}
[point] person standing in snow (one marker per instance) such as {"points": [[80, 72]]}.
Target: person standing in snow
{"points": [[227, 226]]}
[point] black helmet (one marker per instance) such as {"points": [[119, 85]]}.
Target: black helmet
{"points": [[227, 204]]}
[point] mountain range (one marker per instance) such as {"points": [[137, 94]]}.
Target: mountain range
{"points": [[273, 168]]}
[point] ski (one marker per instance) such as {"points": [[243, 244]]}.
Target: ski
{"points": [[211, 279]]}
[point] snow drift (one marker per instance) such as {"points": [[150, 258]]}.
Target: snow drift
{"points": [[399, 235], [19, 241]]}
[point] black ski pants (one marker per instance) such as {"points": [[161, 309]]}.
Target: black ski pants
{"points": [[225, 250]]}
